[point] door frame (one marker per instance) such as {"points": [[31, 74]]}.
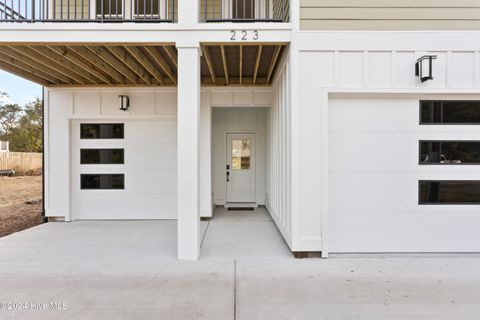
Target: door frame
{"points": [[225, 135]]}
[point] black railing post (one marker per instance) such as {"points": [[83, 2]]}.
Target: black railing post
{"points": [[33, 10]]}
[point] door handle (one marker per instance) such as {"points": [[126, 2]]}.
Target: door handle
{"points": [[228, 176]]}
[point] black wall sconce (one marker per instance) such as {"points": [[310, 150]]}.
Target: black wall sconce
{"points": [[124, 102], [424, 68]]}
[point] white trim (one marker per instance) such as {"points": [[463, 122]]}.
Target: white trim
{"points": [[46, 153], [324, 170], [388, 41], [137, 33]]}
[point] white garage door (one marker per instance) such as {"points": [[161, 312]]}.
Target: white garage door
{"points": [[124, 170], [391, 189]]}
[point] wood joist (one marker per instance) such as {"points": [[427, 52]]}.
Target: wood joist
{"points": [[92, 64], [100, 64], [244, 64]]}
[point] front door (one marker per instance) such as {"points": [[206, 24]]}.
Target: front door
{"points": [[240, 167]]}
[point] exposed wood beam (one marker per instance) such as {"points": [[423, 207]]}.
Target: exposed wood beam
{"points": [[114, 62], [160, 60], [171, 53], [257, 63], [224, 62], [24, 74], [129, 85], [246, 81], [276, 53], [96, 62], [122, 55], [208, 59], [146, 64], [66, 64], [49, 64], [34, 64], [240, 72], [25, 71], [73, 58]]}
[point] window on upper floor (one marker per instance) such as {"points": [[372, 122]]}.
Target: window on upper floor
{"points": [[244, 10]]}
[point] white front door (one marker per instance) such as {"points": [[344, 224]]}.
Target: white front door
{"points": [[240, 167]]}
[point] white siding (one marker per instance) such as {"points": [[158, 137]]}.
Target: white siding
{"points": [[388, 69], [278, 153]]}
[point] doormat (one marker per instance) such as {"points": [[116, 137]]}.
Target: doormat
{"points": [[240, 209]]}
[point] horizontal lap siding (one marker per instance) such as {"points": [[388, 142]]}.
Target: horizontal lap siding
{"points": [[390, 14]]}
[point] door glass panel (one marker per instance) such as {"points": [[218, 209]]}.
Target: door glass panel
{"points": [[101, 131], [109, 8], [102, 181], [450, 112], [243, 9], [146, 8], [241, 154], [449, 152], [449, 192], [101, 156]]}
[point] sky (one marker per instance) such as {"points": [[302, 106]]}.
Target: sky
{"points": [[20, 90]]}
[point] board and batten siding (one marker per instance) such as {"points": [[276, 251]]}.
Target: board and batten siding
{"points": [[278, 154], [390, 14]]}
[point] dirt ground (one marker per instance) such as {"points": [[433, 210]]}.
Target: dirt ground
{"points": [[15, 213]]}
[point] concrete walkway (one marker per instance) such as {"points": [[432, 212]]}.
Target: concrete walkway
{"points": [[128, 270]]}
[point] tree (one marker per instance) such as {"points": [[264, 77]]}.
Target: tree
{"points": [[9, 115], [22, 126]]}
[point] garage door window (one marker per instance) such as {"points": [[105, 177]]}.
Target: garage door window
{"points": [[102, 181], [449, 152], [450, 112], [101, 130], [449, 192], [101, 156]]}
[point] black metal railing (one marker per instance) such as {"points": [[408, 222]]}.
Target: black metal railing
{"points": [[245, 10], [88, 11]]}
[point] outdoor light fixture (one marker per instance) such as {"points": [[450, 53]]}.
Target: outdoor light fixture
{"points": [[124, 102], [424, 68]]}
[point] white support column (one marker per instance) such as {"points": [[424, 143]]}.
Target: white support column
{"points": [[188, 12], [188, 201]]}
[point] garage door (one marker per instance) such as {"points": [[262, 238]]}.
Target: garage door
{"points": [[404, 175], [124, 170]]}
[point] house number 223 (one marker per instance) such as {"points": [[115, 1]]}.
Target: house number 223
{"points": [[243, 35]]}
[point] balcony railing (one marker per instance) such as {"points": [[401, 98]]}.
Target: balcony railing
{"points": [[245, 11], [103, 11]]}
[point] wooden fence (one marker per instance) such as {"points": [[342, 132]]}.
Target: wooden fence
{"points": [[21, 162]]}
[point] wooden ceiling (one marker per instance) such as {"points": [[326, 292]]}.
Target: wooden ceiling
{"points": [[92, 65], [80, 65], [240, 64]]}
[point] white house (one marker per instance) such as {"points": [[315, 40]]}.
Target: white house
{"points": [[164, 109]]}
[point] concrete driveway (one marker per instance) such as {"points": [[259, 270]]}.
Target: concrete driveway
{"points": [[128, 270]]}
